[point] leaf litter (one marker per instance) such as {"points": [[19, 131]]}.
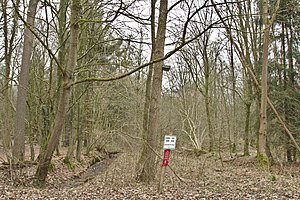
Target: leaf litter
{"points": [[203, 177]]}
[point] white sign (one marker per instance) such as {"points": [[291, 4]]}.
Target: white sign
{"points": [[170, 142]]}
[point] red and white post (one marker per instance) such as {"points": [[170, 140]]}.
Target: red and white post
{"points": [[169, 143]]}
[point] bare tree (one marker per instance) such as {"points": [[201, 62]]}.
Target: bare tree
{"points": [[262, 138], [148, 156], [65, 91], [19, 132], [9, 35]]}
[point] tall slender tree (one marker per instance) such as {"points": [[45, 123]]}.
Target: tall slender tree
{"points": [[65, 92], [19, 132], [262, 137]]}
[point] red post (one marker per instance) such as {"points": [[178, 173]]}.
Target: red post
{"points": [[166, 158], [167, 153]]}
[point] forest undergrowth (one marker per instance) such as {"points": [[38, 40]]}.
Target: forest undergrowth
{"points": [[203, 177]]}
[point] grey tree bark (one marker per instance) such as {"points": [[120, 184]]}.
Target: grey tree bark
{"points": [[19, 132], [262, 136], [148, 156]]}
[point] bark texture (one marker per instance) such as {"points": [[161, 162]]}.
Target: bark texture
{"points": [[148, 156], [262, 136], [19, 133]]}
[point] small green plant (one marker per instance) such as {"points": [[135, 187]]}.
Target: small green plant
{"points": [[69, 164], [273, 178]]}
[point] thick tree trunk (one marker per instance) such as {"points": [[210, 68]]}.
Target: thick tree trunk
{"points": [[56, 131], [141, 162], [19, 132], [148, 155]]}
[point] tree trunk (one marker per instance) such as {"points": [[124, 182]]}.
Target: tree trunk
{"points": [[248, 92], [79, 145], [19, 133], [208, 119], [65, 93], [31, 136], [70, 131], [148, 155], [141, 161], [234, 124], [286, 81], [247, 130], [289, 87], [79, 130], [207, 98], [262, 137]]}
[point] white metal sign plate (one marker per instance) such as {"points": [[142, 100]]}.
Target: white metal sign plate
{"points": [[170, 142]]}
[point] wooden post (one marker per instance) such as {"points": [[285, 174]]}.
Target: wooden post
{"points": [[167, 153], [161, 179], [169, 143]]}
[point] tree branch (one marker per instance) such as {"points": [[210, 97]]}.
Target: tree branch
{"points": [[169, 54]]}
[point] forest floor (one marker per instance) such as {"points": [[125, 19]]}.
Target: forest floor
{"points": [[203, 177]]}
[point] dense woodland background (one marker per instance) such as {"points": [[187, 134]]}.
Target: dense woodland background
{"points": [[79, 77]]}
